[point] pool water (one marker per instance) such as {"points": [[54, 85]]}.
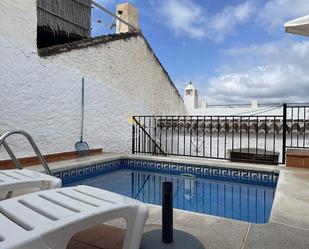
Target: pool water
{"points": [[233, 200]]}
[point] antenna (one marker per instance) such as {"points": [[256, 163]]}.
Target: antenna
{"points": [[110, 26], [115, 16], [113, 24]]}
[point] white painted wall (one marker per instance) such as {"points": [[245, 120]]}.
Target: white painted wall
{"points": [[42, 95]]}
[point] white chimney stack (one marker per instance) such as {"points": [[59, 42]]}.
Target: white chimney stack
{"points": [[190, 98]]}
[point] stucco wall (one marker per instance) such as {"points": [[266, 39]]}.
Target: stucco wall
{"points": [[42, 94]]}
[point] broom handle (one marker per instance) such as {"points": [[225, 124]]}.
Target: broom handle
{"points": [[83, 109]]}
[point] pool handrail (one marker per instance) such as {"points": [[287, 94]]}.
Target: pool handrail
{"points": [[32, 143]]}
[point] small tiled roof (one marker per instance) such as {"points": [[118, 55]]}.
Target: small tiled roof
{"points": [[67, 47]]}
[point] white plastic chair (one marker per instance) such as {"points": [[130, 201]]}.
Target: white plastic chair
{"points": [[49, 219], [14, 180]]}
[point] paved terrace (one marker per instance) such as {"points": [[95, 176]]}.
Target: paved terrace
{"points": [[288, 227]]}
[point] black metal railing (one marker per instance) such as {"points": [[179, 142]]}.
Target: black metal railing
{"points": [[240, 138], [207, 136], [297, 125], [144, 143]]}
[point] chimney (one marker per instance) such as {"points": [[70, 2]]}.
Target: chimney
{"points": [[128, 13], [204, 104], [254, 104]]}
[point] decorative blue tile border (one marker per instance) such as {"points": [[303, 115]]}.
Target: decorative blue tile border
{"points": [[79, 173], [208, 172]]}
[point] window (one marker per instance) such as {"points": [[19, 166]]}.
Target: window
{"points": [[188, 92]]}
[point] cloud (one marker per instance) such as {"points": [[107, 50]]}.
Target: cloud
{"points": [[183, 17], [272, 53], [187, 18], [225, 21], [272, 72], [275, 83], [275, 13]]}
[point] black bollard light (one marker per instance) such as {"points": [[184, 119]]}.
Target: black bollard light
{"points": [[167, 212], [164, 239]]}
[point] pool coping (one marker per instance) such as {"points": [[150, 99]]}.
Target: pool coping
{"points": [[85, 161], [290, 206]]}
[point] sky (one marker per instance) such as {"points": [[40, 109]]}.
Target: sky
{"points": [[233, 51]]}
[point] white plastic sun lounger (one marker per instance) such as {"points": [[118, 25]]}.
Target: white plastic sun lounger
{"points": [[48, 219], [13, 180]]}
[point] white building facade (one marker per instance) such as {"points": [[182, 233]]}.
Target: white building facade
{"points": [[196, 107]]}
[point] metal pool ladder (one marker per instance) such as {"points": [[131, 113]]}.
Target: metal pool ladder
{"points": [[32, 143]]}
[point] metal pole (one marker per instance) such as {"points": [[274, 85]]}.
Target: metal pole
{"points": [[133, 136], [284, 134], [12, 155], [167, 212]]}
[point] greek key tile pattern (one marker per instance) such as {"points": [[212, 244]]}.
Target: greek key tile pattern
{"points": [[79, 173], [218, 173], [207, 172]]}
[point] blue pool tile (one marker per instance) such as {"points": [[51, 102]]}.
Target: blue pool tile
{"points": [[207, 172]]}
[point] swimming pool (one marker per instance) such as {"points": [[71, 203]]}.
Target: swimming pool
{"points": [[248, 197]]}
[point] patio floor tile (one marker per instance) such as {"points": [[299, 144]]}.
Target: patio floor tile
{"points": [[98, 237]]}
